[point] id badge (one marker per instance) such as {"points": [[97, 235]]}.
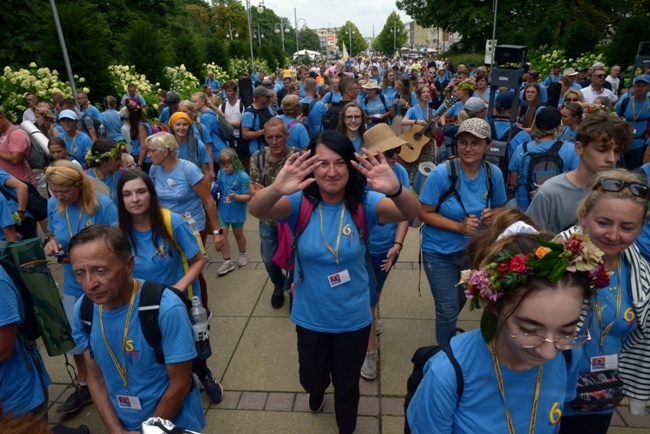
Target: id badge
{"points": [[128, 402], [603, 363], [339, 278]]}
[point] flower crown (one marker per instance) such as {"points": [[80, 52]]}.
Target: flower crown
{"points": [[466, 86], [549, 261], [94, 158], [132, 104]]}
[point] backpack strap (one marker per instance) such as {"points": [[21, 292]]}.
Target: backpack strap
{"points": [[453, 178], [624, 104], [86, 311], [487, 166], [149, 312], [383, 101], [223, 106], [291, 124], [261, 160], [311, 105], [555, 149], [167, 219], [305, 210], [460, 381]]}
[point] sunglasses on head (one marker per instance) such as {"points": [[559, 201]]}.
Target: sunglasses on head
{"points": [[392, 152], [615, 185]]}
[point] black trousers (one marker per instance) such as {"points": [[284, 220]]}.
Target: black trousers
{"points": [[335, 356], [587, 424]]}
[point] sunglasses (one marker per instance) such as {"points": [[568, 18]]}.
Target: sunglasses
{"points": [[615, 185], [600, 76], [392, 152]]}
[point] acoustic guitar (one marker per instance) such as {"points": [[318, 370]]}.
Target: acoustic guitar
{"points": [[420, 137]]}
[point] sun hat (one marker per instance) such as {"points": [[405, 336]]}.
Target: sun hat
{"points": [[371, 84], [381, 136], [474, 105], [475, 126], [569, 72]]}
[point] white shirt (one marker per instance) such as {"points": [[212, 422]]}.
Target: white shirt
{"points": [[590, 95], [615, 82], [28, 115], [233, 115]]}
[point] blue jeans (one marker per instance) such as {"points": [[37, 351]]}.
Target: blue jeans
{"points": [[380, 276], [443, 274], [268, 246]]}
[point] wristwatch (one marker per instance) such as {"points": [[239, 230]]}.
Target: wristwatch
{"points": [[218, 231]]}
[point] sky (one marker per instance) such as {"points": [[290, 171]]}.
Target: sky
{"points": [[334, 13]]}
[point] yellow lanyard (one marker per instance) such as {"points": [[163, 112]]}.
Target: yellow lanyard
{"points": [[599, 314], [67, 218], [634, 115], [121, 368], [533, 412], [334, 252]]}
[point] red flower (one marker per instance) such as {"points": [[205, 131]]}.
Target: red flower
{"points": [[502, 267], [518, 263], [574, 245]]}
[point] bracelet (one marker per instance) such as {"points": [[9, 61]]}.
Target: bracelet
{"points": [[21, 211], [393, 196], [399, 244]]}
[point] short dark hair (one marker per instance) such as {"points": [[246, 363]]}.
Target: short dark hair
{"points": [[114, 238]]}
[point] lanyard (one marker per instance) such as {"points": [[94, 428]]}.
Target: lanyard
{"points": [[425, 117], [67, 218], [533, 413], [121, 368], [634, 115], [334, 252], [599, 314]]}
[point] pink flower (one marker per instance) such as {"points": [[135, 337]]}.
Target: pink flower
{"points": [[574, 245]]}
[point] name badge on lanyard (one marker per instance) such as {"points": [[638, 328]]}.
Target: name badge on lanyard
{"points": [[603, 363], [339, 278], [128, 402]]}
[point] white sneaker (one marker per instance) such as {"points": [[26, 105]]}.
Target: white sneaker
{"points": [[243, 259], [226, 268], [379, 326], [369, 368]]}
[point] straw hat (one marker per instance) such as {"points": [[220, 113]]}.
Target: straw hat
{"points": [[372, 84], [381, 136]]}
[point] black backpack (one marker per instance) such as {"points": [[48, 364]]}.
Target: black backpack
{"points": [[306, 109], [263, 115], [419, 359], [543, 166], [148, 312], [498, 152], [453, 168], [331, 117]]}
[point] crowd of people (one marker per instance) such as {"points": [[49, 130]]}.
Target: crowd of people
{"points": [[547, 234]]}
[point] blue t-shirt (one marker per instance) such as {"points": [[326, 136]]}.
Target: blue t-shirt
{"points": [[316, 305], [110, 181], [113, 124], [331, 97], [298, 137], [202, 134], [20, 386], [138, 97], [502, 128], [568, 134], [417, 113], [91, 111], [146, 378], [358, 143], [473, 193], [436, 408], [135, 142], [164, 261], [375, 107], [624, 322], [176, 189], [316, 113], [637, 114], [210, 124], [643, 241], [252, 121], [184, 150], [233, 211], [6, 217], [7, 206], [382, 237], [214, 83], [519, 163], [389, 94], [165, 115], [65, 226], [79, 145]]}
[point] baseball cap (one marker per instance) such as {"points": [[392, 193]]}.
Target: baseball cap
{"points": [[642, 78], [261, 91], [504, 100], [475, 126], [172, 98], [68, 114], [548, 119], [474, 105]]}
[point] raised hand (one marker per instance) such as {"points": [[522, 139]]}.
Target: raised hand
{"points": [[381, 177], [292, 176]]}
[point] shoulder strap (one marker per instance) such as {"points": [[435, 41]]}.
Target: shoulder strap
{"points": [[305, 210], [241, 107], [383, 101], [291, 124], [525, 147], [261, 161], [453, 178], [87, 310], [148, 312], [365, 101], [624, 105], [311, 105], [223, 107], [555, 149], [360, 220], [493, 130], [488, 181], [167, 219], [460, 381]]}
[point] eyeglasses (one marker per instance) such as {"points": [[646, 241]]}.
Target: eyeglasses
{"points": [[562, 342], [572, 100], [353, 89], [599, 75], [392, 152], [475, 146], [352, 117], [614, 185]]}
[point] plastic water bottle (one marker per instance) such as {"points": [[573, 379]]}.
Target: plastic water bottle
{"points": [[201, 331], [190, 220]]}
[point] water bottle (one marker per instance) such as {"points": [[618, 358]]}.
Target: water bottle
{"points": [[215, 191], [195, 230], [200, 327]]}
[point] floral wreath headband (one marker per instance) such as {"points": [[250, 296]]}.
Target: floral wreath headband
{"points": [[549, 261], [95, 158]]}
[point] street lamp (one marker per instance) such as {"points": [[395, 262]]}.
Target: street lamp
{"points": [[394, 36], [230, 29], [297, 20], [259, 35], [495, 6], [349, 31], [282, 30], [260, 9]]}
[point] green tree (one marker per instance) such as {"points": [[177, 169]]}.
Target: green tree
{"points": [[189, 50], [350, 34], [147, 48], [308, 40], [392, 35], [217, 52]]}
